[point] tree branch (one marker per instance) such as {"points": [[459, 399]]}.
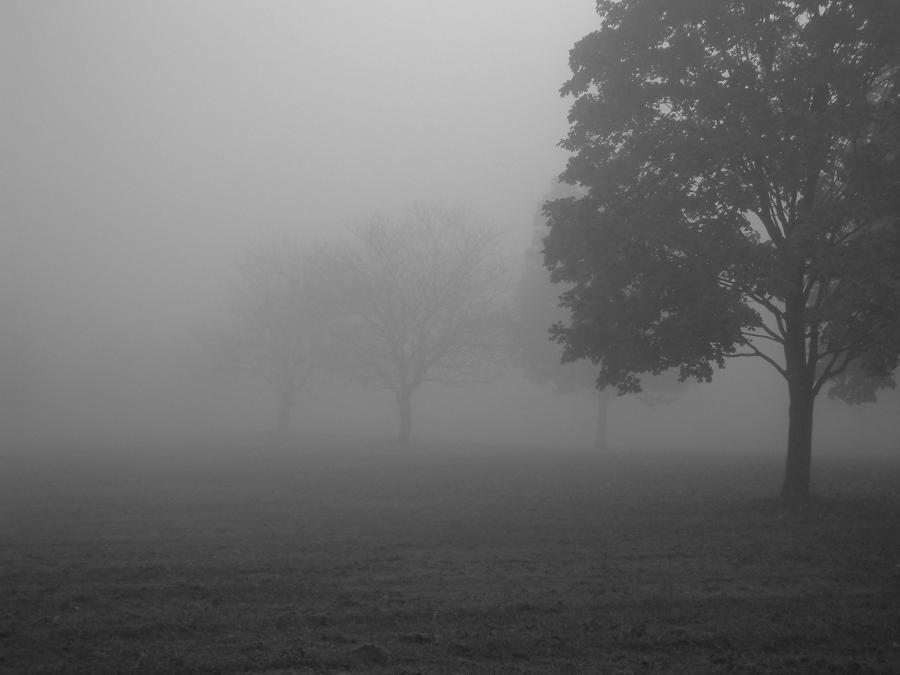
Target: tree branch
{"points": [[771, 337], [831, 370], [754, 351]]}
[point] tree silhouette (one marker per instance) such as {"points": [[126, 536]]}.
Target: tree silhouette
{"points": [[416, 300], [741, 163], [279, 325], [536, 307]]}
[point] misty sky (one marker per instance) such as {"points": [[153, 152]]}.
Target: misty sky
{"points": [[145, 144], [150, 137]]}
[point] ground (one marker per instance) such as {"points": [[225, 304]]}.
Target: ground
{"points": [[250, 557]]}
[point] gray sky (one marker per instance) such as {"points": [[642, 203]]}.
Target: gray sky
{"points": [[154, 126], [150, 139], [148, 142], [145, 144]]}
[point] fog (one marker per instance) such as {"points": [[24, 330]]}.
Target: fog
{"points": [[147, 144]]}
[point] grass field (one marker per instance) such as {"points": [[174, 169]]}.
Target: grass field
{"points": [[319, 559]]}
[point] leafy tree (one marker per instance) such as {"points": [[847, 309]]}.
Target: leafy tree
{"points": [[536, 309], [416, 299], [279, 327], [742, 168]]}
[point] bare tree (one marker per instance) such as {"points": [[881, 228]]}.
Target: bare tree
{"points": [[280, 326], [417, 300]]}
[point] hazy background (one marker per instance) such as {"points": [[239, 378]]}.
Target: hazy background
{"points": [[146, 144]]}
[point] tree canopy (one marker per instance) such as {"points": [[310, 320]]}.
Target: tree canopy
{"points": [[535, 309], [742, 168]]}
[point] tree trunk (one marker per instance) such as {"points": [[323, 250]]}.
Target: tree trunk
{"points": [[800, 378], [600, 430], [404, 410], [795, 489]]}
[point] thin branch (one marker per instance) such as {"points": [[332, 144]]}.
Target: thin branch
{"points": [[754, 351], [769, 306], [760, 336], [831, 352], [779, 210], [831, 371], [771, 333]]}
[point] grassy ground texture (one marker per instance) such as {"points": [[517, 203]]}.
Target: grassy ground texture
{"points": [[321, 559]]}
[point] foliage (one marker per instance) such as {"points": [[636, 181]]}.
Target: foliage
{"points": [[742, 163], [536, 309]]}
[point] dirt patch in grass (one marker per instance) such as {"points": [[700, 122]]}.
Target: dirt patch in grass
{"points": [[250, 561]]}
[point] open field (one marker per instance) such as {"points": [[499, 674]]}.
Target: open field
{"points": [[320, 559]]}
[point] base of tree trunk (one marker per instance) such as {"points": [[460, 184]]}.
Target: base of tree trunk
{"points": [[795, 489], [795, 496]]}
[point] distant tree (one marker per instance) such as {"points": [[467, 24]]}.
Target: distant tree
{"points": [[742, 168], [536, 308], [416, 300], [279, 327]]}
